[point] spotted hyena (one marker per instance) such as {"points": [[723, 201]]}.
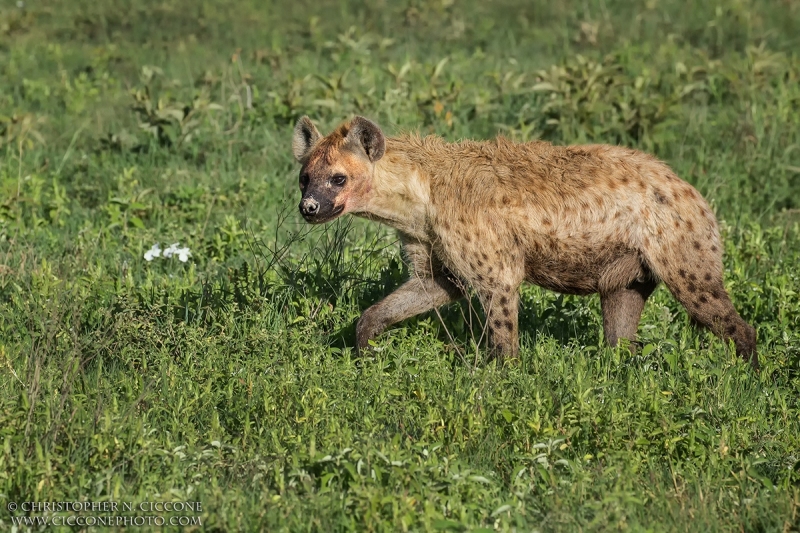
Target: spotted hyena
{"points": [[492, 214]]}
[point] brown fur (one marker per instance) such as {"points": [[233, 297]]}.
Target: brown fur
{"points": [[492, 214]]}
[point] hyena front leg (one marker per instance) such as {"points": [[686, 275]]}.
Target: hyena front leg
{"points": [[502, 309], [417, 295]]}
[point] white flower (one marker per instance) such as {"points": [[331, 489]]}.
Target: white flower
{"points": [[173, 249], [153, 252]]}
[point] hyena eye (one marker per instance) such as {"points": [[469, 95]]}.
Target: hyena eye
{"points": [[303, 180], [339, 179]]}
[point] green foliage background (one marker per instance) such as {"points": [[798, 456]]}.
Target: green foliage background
{"points": [[231, 379]]}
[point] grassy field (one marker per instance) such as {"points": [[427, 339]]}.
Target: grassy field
{"points": [[230, 379]]}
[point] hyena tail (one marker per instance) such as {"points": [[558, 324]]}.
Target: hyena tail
{"points": [[690, 265]]}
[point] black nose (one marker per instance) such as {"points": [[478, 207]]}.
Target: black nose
{"points": [[309, 207]]}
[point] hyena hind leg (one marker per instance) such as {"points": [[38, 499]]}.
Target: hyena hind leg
{"points": [[622, 310]]}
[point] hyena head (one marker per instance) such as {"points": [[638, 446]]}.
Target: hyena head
{"points": [[337, 170]]}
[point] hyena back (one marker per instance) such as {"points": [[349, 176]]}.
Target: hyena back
{"points": [[492, 214]]}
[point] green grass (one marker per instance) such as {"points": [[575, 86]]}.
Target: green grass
{"points": [[231, 379]]}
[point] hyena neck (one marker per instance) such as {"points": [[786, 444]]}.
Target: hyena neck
{"points": [[400, 192]]}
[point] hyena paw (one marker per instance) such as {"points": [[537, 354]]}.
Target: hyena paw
{"points": [[505, 355], [367, 328]]}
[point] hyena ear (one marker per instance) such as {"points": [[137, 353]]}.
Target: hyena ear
{"points": [[369, 136], [306, 136]]}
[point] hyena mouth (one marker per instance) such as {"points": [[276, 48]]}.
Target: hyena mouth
{"points": [[323, 218], [335, 212]]}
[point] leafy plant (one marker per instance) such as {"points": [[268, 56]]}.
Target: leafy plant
{"points": [[170, 122]]}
